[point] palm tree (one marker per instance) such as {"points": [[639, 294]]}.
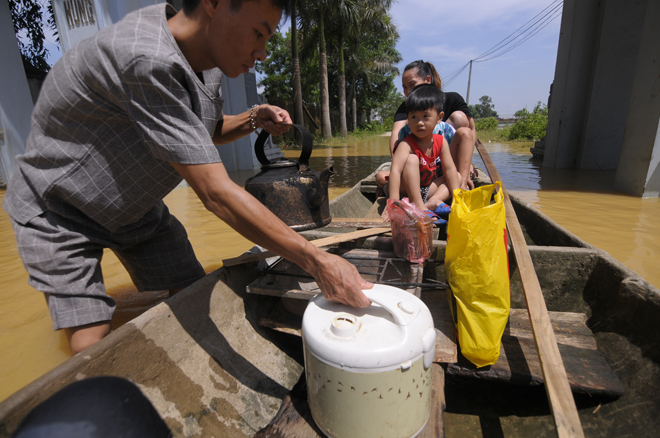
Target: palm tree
{"points": [[345, 16], [323, 75], [298, 115], [375, 23], [312, 18]]}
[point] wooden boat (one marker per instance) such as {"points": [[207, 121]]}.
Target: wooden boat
{"points": [[211, 369]]}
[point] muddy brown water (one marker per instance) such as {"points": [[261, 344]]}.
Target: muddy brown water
{"points": [[626, 227]]}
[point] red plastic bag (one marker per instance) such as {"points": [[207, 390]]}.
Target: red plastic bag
{"points": [[412, 230]]}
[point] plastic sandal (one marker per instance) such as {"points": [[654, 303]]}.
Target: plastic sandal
{"points": [[443, 209], [439, 221], [436, 220]]}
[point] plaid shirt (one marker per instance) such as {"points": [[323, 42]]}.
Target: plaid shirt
{"points": [[112, 114]]}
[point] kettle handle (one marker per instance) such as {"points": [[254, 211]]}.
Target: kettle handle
{"points": [[403, 312], [307, 145]]}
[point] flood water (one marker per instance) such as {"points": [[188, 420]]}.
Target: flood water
{"points": [[583, 203]]}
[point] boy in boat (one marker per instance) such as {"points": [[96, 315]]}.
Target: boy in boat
{"points": [[415, 158], [121, 119]]}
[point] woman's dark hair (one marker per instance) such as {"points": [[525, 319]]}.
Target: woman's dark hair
{"points": [[284, 5], [424, 97], [425, 69]]}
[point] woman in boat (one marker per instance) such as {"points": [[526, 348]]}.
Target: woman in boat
{"points": [[457, 125]]}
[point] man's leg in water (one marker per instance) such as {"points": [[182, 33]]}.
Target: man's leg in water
{"points": [[85, 335]]}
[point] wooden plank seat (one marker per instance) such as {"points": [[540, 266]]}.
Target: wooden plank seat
{"points": [[587, 370]]}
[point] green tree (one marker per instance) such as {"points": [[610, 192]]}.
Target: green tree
{"points": [[486, 124], [530, 126], [484, 108], [372, 52], [29, 27], [278, 72], [387, 106]]}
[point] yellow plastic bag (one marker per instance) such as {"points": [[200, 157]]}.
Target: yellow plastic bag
{"points": [[477, 269]]}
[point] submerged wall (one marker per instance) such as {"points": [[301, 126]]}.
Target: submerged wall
{"points": [[603, 113]]}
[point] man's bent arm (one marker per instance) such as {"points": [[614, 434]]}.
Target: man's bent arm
{"points": [[338, 280], [268, 117]]}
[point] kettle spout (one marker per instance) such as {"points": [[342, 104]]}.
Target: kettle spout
{"points": [[318, 195], [324, 178]]}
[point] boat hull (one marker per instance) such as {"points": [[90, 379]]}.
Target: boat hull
{"points": [[211, 370]]}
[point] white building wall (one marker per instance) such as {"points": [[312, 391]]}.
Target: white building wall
{"points": [[15, 99]]}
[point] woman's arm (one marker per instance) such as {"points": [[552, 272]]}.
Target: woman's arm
{"points": [[395, 133]]}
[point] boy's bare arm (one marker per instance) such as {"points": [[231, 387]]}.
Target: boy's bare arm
{"points": [[398, 163]]}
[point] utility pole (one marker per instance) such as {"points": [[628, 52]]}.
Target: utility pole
{"points": [[467, 99]]}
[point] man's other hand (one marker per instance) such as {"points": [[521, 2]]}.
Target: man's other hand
{"points": [[273, 119]]}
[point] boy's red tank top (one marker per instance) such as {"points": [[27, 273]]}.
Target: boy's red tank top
{"points": [[427, 164]]}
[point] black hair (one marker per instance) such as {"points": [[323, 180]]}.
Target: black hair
{"points": [[425, 69], [424, 97], [285, 5]]}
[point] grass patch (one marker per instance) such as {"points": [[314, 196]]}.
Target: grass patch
{"points": [[502, 136], [336, 140]]}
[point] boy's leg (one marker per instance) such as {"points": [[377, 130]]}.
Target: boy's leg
{"points": [[438, 192], [462, 148], [410, 182]]}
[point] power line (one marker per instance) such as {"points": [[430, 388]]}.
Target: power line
{"points": [[550, 17], [454, 75], [516, 38], [535, 24]]}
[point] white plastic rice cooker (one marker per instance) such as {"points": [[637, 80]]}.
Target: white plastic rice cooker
{"points": [[369, 370]]}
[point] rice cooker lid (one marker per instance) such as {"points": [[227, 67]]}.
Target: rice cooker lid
{"points": [[394, 331]]}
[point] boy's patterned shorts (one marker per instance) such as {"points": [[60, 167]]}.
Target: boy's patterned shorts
{"points": [[423, 190]]}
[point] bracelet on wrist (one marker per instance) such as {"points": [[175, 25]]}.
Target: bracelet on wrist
{"points": [[253, 125]]}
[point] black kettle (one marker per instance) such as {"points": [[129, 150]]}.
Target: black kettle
{"points": [[290, 189]]}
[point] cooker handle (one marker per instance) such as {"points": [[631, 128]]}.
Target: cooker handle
{"points": [[404, 312]]}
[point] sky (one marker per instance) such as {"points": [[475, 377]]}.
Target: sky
{"points": [[457, 31]]}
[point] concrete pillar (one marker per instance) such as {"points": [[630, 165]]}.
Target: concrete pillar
{"points": [[619, 37], [573, 76], [638, 172], [15, 99]]}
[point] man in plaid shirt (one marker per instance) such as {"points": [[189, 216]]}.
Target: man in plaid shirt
{"points": [[122, 118]]}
